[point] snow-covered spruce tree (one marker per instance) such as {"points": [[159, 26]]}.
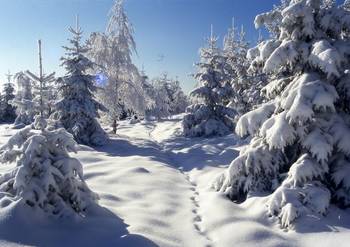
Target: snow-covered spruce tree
{"points": [[7, 110], [301, 150], [256, 79], [112, 52], [77, 109], [23, 101], [210, 117], [149, 93], [246, 82], [45, 177], [235, 52]]}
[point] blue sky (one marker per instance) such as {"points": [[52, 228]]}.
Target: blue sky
{"points": [[173, 29]]}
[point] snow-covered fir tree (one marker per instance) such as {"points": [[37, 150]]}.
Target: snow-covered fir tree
{"points": [[178, 99], [210, 117], [7, 110], [25, 108], [255, 79], [235, 52], [77, 108], [300, 151], [149, 92], [159, 94], [246, 83], [45, 177], [112, 52]]}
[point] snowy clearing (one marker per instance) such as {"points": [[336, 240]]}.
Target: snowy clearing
{"points": [[155, 191]]}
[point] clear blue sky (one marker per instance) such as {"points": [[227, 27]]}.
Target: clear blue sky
{"points": [[173, 28]]}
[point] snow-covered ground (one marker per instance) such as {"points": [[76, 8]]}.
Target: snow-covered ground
{"points": [[155, 190]]}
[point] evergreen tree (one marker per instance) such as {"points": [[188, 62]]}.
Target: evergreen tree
{"points": [[255, 79], [77, 109], [149, 92], [300, 150], [246, 83], [7, 110], [235, 52], [178, 99], [211, 116]]}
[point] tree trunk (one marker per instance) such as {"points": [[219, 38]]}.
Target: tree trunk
{"points": [[114, 125]]}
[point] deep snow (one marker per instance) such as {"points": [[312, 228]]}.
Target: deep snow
{"points": [[155, 189]]}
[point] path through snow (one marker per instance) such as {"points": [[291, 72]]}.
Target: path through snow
{"points": [[162, 197]]}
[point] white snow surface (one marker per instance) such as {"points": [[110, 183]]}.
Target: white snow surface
{"points": [[155, 190]]}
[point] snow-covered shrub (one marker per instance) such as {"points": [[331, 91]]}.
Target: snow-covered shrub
{"points": [[23, 101], [168, 97], [76, 108], [210, 117], [300, 151], [45, 177]]}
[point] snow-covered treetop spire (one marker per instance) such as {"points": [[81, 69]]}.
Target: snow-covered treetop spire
{"points": [[212, 40], [233, 25], [75, 61], [212, 48], [75, 40], [77, 26], [242, 33]]}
